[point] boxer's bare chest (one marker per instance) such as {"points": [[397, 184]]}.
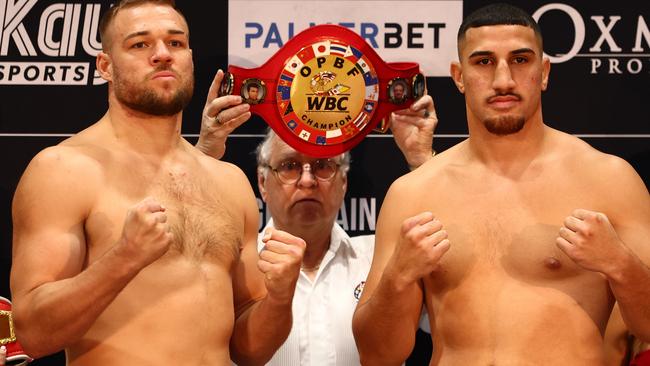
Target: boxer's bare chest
{"points": [[504, 269], [506, 229], [205, 221]]}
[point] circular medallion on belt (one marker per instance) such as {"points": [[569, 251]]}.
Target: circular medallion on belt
{"points": [[327, 92]]}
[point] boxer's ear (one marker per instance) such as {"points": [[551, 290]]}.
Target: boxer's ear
{"points": [[456, 71], [546, 70], [104, 66]]}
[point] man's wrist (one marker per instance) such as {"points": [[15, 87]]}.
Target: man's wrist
{"points": [[396, 280], [278, 302], [624, 268], [209, 149]]}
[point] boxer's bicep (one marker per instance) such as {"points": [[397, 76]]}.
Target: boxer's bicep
{"points": [[390, 219], [248, 281], [49, 211], [629, 211]]}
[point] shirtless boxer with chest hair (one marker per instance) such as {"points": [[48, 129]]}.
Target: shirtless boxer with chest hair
{"points": [[519, 239], [131, 247]]}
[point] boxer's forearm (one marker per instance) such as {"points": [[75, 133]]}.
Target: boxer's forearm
{"points": [[388, 312], [57, 314], [630, 284], [260, 331]]}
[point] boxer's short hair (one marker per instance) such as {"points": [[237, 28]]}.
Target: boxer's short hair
{"points": [[110, 14], [498, 14]]}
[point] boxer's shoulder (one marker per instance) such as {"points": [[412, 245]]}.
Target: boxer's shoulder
{"points": [[436, 170], [222, 170], [59, 178], [73, 162], [582, 158]]}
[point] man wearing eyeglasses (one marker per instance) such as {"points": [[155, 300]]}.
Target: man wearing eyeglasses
{"points": [[304, 195]]}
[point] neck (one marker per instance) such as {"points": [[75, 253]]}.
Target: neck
{"points": [[317, 238], [509, 153], [144, 133]]}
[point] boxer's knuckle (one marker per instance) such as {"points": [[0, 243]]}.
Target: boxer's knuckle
{"points": [[440, 250], [412, 236], [284, 268], [437, 225], [404, 228], [576, 241], [140, 209], [298, 251], [294, 254], [149, 221], [264, 255], [295, 259]]}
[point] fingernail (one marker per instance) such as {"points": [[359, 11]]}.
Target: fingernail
{"points": [[3, 349], [267, 234]]}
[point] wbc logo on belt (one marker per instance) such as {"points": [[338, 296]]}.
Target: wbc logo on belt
{"points": [[327, 92]]}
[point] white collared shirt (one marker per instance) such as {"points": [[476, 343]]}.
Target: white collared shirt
{"points": [[321, 334]]}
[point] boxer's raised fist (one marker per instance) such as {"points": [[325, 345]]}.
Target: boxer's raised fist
{"points": [[422, 243], [146, 235]]}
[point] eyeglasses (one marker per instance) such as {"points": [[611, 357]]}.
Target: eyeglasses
{"points": [[290, 171]]}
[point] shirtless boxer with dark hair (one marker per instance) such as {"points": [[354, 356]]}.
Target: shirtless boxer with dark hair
{"points": [[517, 240]]}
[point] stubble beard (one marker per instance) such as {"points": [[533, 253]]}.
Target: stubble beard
{"points": [[504, 125], [142, 98]]}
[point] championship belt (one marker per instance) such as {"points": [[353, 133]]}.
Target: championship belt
{"points": [[325, 89], [15, 354]]}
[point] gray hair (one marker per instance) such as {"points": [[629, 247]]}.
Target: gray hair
{"points": [[264, 151]]}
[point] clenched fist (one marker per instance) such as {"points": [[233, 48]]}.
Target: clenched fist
{"points": [[146, 235], [421, 244], [589, 239], [280, 261]]}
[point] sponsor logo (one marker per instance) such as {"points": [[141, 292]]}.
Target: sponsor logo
{"points": [[52, 73], [605, 55], [357, 215], [418, 31], [64, 31]]}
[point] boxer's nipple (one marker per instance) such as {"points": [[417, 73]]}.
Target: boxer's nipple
{"points": [[552, 263]]}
